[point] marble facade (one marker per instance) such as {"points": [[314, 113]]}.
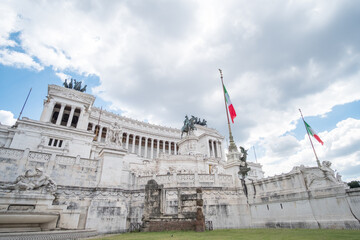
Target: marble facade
{"points": [[101, 163]]}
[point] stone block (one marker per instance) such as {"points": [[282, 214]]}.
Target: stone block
{"points": [[69, 220]]}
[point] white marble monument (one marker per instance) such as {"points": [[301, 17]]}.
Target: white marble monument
{"points": [[100, 163]]}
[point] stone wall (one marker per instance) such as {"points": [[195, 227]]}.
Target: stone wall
{"points": [[306, 198], [108, 210], [188, 180], [189, 214], [353, 198], [64, 170], [303, 198]]}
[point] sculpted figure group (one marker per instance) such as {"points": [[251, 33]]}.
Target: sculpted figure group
{"points": [[33, 180], [115, 135], [76, 85], [189, 124]]}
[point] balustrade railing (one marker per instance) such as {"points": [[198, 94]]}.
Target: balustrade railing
{"points": [[64, 160], [14, 154], [187, 179], [39, 157]]}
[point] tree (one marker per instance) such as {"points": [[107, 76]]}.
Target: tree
{"points": [[354, 184]]}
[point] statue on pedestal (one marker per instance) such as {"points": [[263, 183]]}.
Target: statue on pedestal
{"points": [[189, 125]]}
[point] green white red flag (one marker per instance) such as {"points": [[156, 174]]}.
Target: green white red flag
{"points": [[229, 104], [313, 133]]}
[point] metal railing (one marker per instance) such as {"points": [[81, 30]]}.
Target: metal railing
{"points": [[209, 225], [135, 227]]}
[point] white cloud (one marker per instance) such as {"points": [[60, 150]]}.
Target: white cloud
{"points": [[7, 118], [7, 25], [63, 76], [18, 59], [341, 147], [159, 60]]}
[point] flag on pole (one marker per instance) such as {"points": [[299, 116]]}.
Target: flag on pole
{"points": [[313, 133], [230, 106]]}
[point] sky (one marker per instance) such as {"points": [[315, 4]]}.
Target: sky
{"points": [[157, 61]]}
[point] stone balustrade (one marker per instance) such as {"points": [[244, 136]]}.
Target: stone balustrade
{"points": [[183, 180]]}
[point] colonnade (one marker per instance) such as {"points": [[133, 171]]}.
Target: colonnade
{"points": [[66, 115], [100, 131], [214, 149], [143, 146], [148, 147]]}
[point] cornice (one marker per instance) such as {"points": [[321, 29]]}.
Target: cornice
{"points": [[72, 94], [96, 111], [37, 125]]}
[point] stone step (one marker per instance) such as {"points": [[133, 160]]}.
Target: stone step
{"points": [[19, 229], [62, 234]]}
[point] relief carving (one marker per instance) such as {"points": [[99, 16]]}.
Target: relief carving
{"points": [[33, 180]]}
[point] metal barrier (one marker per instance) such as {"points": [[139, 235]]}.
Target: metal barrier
{"points": [[209, 225], [135, 227]]}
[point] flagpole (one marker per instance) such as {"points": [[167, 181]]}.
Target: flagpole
{"points": [[317, 159], [232, 143], [24, 104], [255, 154]]}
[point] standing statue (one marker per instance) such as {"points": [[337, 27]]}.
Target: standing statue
{"points": [[243, 168]]}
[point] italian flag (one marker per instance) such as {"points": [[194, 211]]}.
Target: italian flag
{"points": [[230, 106], [313, 133]]}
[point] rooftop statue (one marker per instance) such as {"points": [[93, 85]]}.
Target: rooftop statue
{"points": [[76, 85], [198, 121]]}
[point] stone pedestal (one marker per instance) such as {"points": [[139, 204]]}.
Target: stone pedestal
{"points": [[112, 167], [189, 145]]}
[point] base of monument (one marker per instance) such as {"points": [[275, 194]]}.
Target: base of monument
{"points": [[65, 234], [12, 228], [174, 224], [27, 221]]}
